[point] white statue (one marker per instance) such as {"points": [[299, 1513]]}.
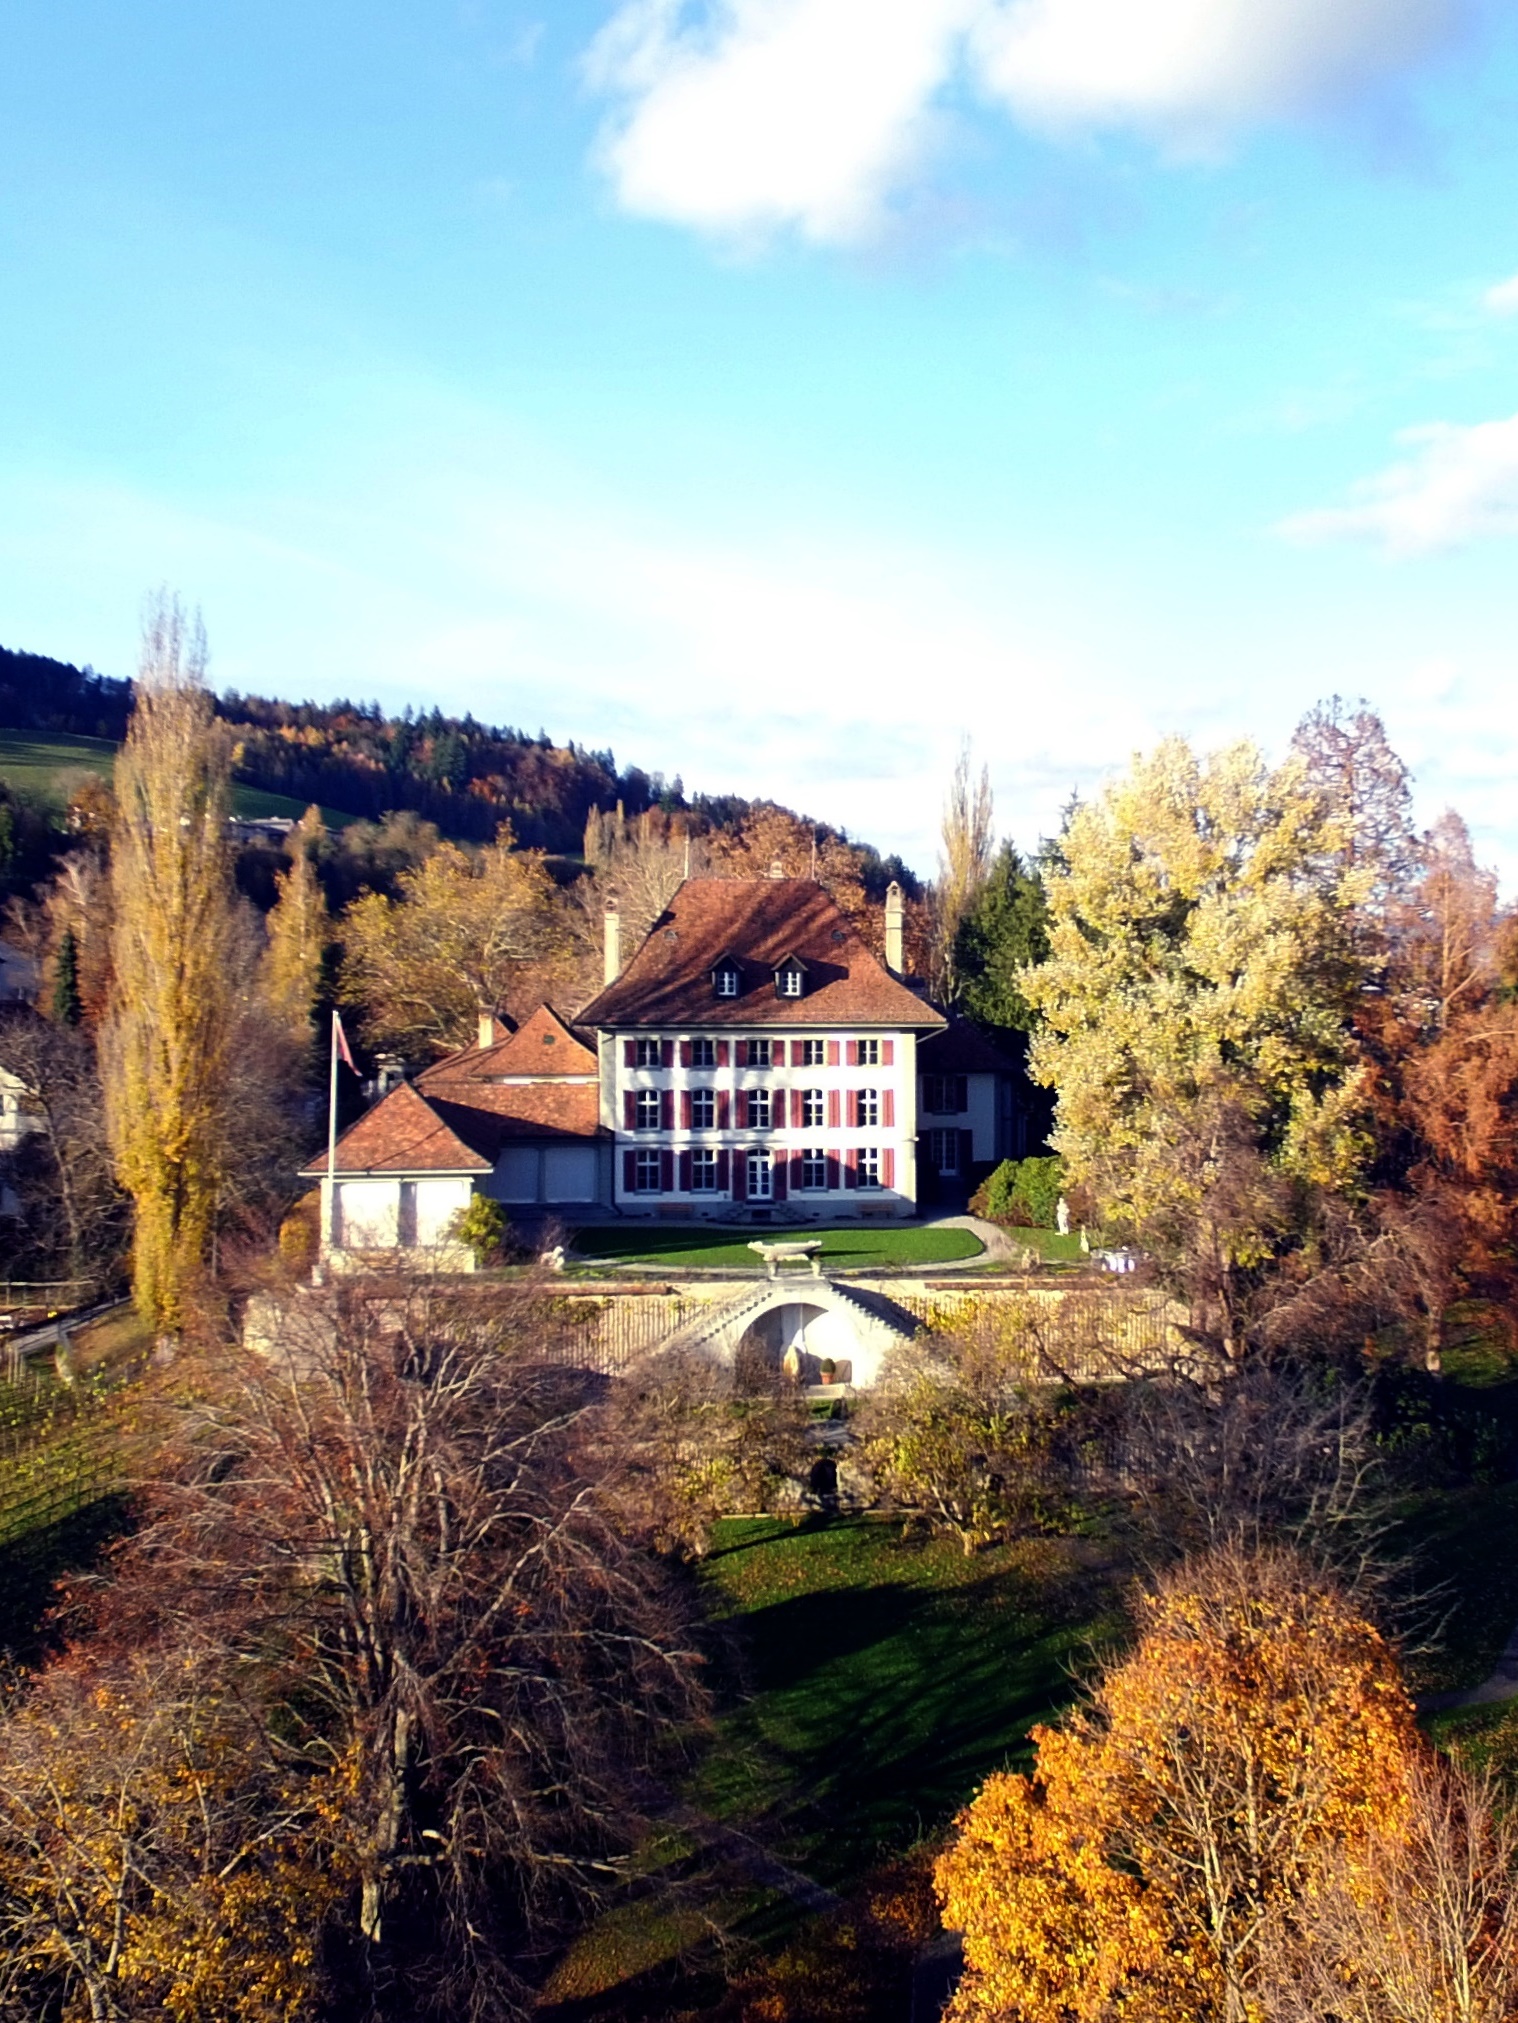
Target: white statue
{"points": [[1062, 1217]]}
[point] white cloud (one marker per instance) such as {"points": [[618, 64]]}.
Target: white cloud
{"points": [[1503, 299], [1460, 484], [738, 116]]}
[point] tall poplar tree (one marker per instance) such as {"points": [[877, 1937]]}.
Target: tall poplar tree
{"points": [[169, 1039]]}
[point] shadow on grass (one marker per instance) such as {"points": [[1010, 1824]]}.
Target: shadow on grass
{"points": [[33, 1566]]}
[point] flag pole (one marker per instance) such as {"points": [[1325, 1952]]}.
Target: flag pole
{"points": [[330, 1203]]}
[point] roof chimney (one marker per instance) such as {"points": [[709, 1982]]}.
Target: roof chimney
{"points": [[613, 926], [893, 915]]}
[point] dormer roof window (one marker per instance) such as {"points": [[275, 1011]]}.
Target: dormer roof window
{"points": [[790, 977], [727, 980]]}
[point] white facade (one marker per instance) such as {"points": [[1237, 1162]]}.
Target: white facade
{"points": [[800, 1125]]}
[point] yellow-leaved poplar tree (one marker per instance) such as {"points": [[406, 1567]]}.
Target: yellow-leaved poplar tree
{"points": [[468, 932], [299, 929], [168, 1042], [1154, 1862]]}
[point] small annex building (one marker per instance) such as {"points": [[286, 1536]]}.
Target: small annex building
{"points": [[516, 1117]]}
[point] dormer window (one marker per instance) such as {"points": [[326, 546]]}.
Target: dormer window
{"points": [[725, 979], [790, 978]]}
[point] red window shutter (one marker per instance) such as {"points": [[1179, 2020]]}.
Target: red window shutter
{"points": [[724, 1112], [742, 1053], [666, 1172], [851, 1168], [888, 1167], [887, 1053], [832, 1053], [685, 1109], [722, 1166], [667, 1053], [832, 1172], [685, 1053], [796, 1172], [743, 1109], [629, 1172], [851, 1051], [629, 1110], [888, 1106], [629, 1053], [740, 1177], [833, 1110], [777, 1178], [685, 1173], [722, 1053], [666, 1109]]}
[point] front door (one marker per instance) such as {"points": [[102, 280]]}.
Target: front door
{"points": [[759, 1169]]}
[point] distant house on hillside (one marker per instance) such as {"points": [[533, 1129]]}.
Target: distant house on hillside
{"points": [[754, 1061]]}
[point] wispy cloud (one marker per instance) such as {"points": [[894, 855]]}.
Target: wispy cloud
{"points": [[1460, 484], [1503, 299], [741, 116]]}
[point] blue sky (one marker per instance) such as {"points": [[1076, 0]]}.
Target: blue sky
{"points": [[778, 390]]}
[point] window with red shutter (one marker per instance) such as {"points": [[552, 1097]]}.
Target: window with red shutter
{"points": [[629, 1053], [685, 1053], [724, 1112], [832, 1053], [722, 1053], [629, 1110], [887, 1053], [888, 1167], [666, 1109], [834, 1110], [666, 1172], [685, 1109], [685, 1173], [888, 1106], [629, 1172]]}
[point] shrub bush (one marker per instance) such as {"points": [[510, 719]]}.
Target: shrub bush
{"points": [[1022, 1191]]}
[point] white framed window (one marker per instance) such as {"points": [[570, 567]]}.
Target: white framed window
{"points": [[703, 1109], [647, 1054], [760, 1176], [646, 1111], [646, 1173], [812, 1106], [725, 980], [943, 1153], [867, 1161], [814, 1053], [867, 1107], [814, 1168], [703, 1053], [703, 1172], [869, 1053], [759, 1109], [759, 1053]]}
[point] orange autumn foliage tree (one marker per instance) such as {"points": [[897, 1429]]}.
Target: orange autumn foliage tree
{"points": [[1146, 1867]]}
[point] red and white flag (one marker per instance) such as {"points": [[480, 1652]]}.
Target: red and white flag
{"points": [[340, 1041]]}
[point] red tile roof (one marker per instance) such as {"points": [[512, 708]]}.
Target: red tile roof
{"points": [[402, 1134], [758, 922], [543, 1047]]}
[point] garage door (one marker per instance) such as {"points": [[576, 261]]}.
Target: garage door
{"points": [[570, 1173]]}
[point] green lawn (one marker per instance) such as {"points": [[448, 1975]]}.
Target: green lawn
{"points": [[883, 1677], [863, 1247], [44, 765]]}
